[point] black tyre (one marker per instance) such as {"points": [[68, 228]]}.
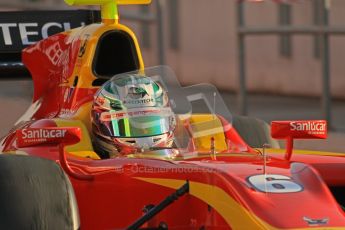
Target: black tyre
{"points": [[255, 132], [35, 194]]}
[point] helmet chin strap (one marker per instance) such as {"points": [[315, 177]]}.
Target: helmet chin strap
{"points": [[144, 142], [141, 144]]}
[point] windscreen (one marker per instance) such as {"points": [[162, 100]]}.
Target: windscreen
{"points": [[197, 114]]}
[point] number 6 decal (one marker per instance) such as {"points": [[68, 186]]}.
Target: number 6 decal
{"points": [[274, 183]]}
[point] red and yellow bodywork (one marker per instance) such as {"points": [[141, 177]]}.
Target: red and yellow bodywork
{"points": [[223, 191]]}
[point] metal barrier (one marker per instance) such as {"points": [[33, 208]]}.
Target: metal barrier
{"points": [[323, 30]]}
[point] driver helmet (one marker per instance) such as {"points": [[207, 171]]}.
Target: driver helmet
{"points": [[131, 112]]}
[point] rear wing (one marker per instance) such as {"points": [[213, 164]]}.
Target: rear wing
{"points": [[20, 29]]}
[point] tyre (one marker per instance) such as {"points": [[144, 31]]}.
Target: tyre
{"points": [[35, 193], [255, 132]]}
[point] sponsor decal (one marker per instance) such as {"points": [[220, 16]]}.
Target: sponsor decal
{"points": [[42, 133], [82, 49], [54, 53], [312, 127], [299, 129], [100, 100], [23, 28], [11, 64], [274, 183], [136, 93], [65, 112], [136, 96], [29, 33], [50, 135], [70, 93], [139, 102], [115, 104], [316, 222], [112, 115]]}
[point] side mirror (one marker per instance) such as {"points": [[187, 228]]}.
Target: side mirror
{"points": [[290, 130], [48, 136], [60, 136]]}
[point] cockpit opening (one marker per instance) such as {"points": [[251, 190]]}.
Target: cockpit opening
{"points": [[115, 53]]}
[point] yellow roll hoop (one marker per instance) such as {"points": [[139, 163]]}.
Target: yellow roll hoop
{"points": [[109, 9]]}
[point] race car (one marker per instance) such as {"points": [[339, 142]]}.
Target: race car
{"points": [[183, 162]]}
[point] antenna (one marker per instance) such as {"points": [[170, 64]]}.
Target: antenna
{"points": [[109, 8], [212, 147], [214, 104], [264, 146]]}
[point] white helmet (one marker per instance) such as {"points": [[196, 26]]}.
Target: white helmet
{"points": [[131, 112]]}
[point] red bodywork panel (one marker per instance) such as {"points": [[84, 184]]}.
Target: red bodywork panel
{"points": [[51, 63], [116, 195]]}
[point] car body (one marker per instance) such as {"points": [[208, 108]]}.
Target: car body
{"points": [[226, 183]]}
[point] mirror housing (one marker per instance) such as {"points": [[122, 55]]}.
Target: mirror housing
{"points": [[313, 129], [60, 136], [48, 136], [290, 130]]}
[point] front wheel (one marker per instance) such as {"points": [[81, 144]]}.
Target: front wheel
{"points": [[35, 193]]}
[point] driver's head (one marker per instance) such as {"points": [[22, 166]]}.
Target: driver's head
{"points": [[131, 112]]}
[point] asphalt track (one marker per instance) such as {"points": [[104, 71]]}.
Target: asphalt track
{"points": [[15, 97]]}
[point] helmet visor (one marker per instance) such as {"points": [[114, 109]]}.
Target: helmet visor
{"points": [[138, 122]]}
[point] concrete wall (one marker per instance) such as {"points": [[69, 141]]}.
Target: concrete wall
{"points": [[208, 49]]}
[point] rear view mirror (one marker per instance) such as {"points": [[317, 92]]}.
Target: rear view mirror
{"points": [[289, 130], [48, 136], [299, 129], [60, 136]]}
